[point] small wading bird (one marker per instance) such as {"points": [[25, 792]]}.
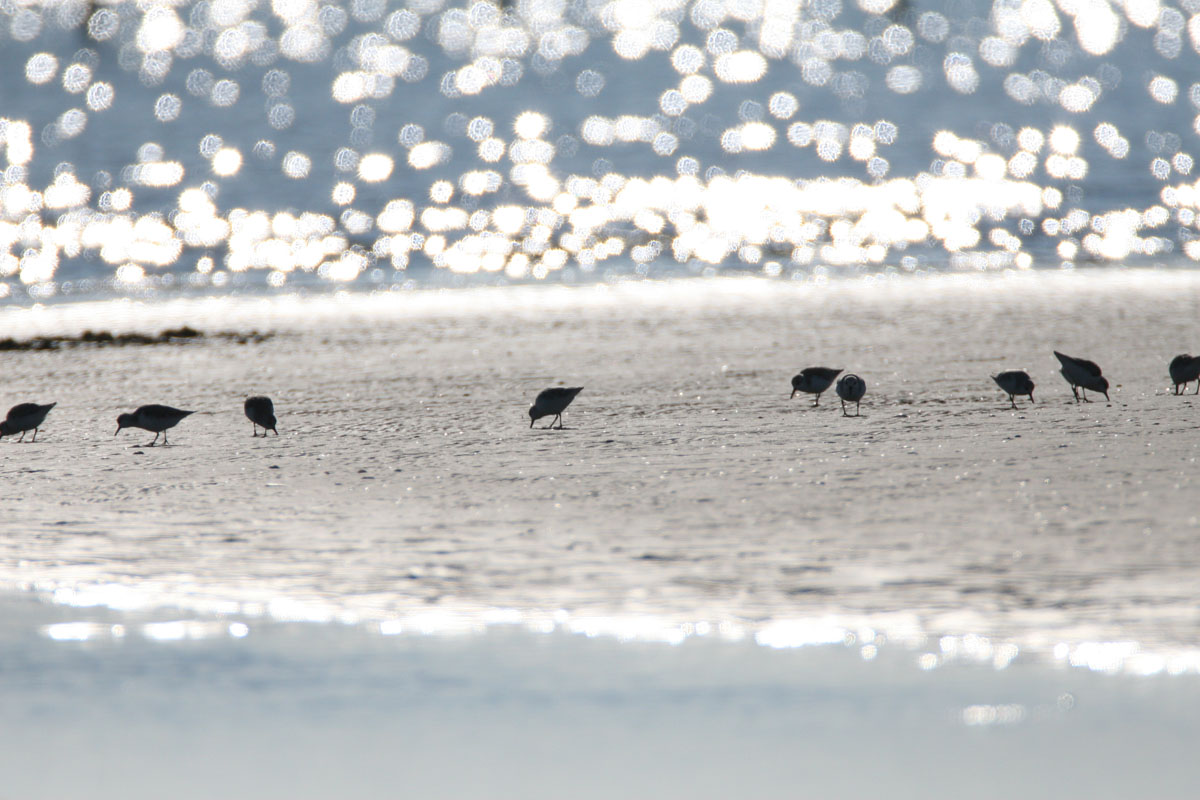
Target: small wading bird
{"points": [[1015, 382], [24, 417], [1185, 369], [814, 380], [154, 418], [552, 403], [1083, 374], [851, 388], [261, 413]]}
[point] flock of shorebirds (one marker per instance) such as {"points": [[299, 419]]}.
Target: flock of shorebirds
{"points": [[1081, 374], [155, 418]]}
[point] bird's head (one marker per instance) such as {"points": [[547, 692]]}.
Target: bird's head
{"points": [[124, 421]]}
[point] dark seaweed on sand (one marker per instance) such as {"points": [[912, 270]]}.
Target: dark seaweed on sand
{"points": [[108, 339]]}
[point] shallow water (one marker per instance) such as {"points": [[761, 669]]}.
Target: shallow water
{"points": [[687, 493], [246, 708]]}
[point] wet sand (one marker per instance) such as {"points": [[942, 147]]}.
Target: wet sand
{"points": [[687, 488]]}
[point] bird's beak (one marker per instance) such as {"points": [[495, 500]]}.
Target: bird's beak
{"points": [[118, 430], [793, 394], [531, 422]]}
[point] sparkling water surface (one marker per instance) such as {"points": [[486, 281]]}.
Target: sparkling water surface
{"points": [[214, 145]]}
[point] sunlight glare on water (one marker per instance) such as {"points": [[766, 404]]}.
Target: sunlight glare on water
{"points": [[636, 138]]}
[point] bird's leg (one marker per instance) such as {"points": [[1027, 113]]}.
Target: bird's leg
{"points": [[1012, 399], [22, 437], [1197, 387], [253, 429], [265, 433], [560, 422], [858, 408], [165, 442], [844, 414], [1075, 392], [34, 439], [1031, 397], [1084, 390]]}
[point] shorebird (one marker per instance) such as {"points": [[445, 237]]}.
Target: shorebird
{"points": [[552, 402], [154, 418], [261, 412], [24, 417], [1015, 382], [814, 380], [1083, 374], [851, 389], [1184, 369]]}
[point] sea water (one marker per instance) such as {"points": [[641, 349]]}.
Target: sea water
{"points": [[215, 145]]}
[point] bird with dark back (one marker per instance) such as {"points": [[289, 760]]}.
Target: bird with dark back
{"points": [[261, 413], [1184, 369], [814, 380], [1082, 375], [155, 418], [1015, 382], [552, 403], [851, 388], [25, 417]]}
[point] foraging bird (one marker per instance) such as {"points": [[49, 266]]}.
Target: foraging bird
{"points": [[814, 380], [261, 412], [24, 417], [1084, 374], [154, 418], [1015, 382], [851, 388], [1184, 369], [552, 402]]}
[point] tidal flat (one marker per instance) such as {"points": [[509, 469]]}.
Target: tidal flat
{"points": [[686, 485], [690, 521]]}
